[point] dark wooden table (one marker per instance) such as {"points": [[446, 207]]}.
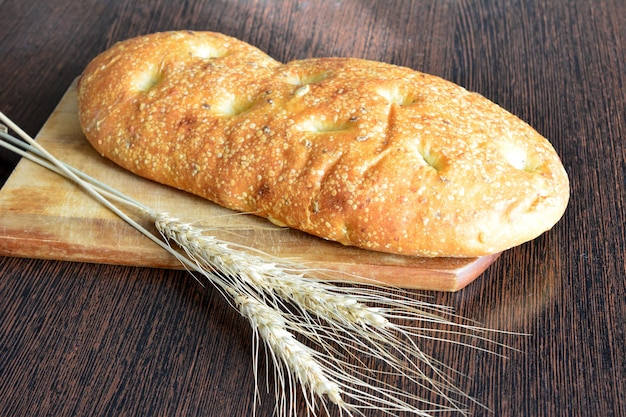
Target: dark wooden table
{"points": [[97, 340]]}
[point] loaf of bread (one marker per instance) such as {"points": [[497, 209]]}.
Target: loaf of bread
{"points": [[364, 153]]}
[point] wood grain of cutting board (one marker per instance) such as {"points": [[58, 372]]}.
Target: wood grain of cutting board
{"points": [[45, 216]]}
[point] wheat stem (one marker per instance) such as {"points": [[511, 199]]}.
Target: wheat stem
{"points": [[267, 322]]}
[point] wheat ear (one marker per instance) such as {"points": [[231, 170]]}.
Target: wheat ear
{"points": [[281, 301]]}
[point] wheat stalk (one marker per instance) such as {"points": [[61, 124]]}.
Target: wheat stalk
{"points": [[319, 334]]}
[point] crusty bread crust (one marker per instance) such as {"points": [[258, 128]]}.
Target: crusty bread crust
{"points": [[359, 152]]}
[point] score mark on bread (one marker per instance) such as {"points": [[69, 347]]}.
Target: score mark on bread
{"points": [[364, 153]]}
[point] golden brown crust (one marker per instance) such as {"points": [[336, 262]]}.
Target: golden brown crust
{"points": [[364, 153]]}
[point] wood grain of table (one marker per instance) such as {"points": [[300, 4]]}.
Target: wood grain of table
{"points": [[80, 339]]}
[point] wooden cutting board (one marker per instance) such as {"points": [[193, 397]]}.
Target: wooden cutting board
{"points": [[45, 216]]}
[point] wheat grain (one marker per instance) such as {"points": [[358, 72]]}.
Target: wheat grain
{"points": [[349, 323], [270, 325], [261, 271]]}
